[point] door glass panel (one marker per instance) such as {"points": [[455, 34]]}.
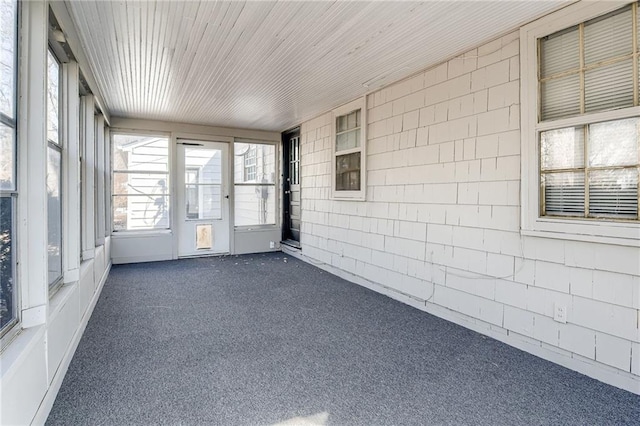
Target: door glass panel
{"points": [[294, 161], [203, 183]]}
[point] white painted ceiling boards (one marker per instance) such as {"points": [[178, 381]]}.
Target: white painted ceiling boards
{"points": [[269, 65]]}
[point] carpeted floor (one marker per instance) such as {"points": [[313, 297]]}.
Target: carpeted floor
{"points": [[264, 339]]}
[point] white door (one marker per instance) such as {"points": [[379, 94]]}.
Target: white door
{"points": [[203, 198]]}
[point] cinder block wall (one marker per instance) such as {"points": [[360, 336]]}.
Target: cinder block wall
{"points": [[442, 214]]}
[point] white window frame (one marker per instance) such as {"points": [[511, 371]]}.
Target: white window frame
{"points": [[595, 230], [60, 147], [113, 132], [11, 328], [346, 109], [275, 184]]}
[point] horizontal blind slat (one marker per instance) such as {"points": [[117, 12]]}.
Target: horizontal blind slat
{"points": [[609, 36], [609, 87]]}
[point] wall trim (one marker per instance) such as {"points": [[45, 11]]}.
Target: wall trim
{"points": [[564, 358], [52, 392]]}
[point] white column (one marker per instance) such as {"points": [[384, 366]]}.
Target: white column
{"points": [[88, 179], [71, 168], [32, 165], [99, 214], [107, 183]]}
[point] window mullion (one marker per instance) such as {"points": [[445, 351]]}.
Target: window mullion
{"points": [[592, 117], [586, 170], [348, 151], [582, 71], [634, 37]]}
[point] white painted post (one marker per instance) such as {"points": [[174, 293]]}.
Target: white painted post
{"points": [[88, 179], [32, 166], [71, 179], [99, 176]]}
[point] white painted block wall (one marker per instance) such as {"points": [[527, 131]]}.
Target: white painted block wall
{"points": [[441, 221]]}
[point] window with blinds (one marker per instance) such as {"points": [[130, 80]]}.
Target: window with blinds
{"points": [[589, 168]]}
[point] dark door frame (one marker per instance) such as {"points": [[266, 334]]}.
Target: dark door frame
{"points": [[286, 198]]}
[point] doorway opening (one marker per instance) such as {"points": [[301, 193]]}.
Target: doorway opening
{"points": [[291, 188]]}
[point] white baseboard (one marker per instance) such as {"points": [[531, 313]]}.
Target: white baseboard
{"points": [[572, 361], [47, 402]]}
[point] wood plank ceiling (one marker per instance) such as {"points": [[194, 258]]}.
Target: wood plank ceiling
{"points": [[270, 65]]}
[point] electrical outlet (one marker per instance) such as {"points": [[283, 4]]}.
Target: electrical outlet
{"points": [[560, 313], [272, 244]]}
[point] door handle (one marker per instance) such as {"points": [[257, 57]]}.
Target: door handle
{"points": [[226, 196]]}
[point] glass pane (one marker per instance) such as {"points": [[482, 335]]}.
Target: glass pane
{"points": [[348, 140], [207, 162], [192, 176], [348, 172], [7, 294], [562, 148], [614, 143], [7, 158], [254, 205], [203, 201], [53, 96], [563, 193], [560, 52], [613, 193], [608, 36], [140, 153], [352, 121], [560, 97], [140, 212], [8, 27], [140, 184], [54, 214], [265, 163], [609, 87], [192, 200], [341, 123]]}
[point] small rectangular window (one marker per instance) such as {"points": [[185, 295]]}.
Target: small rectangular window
{"points": [[140, 182], [349, 151], [7, 276], [53, 99], [54, 214], [254, 184], [54, 173]]}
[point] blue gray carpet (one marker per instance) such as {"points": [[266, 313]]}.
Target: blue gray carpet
{"points": [[265, 339]]}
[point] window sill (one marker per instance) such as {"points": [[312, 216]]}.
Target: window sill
{"points": [[22, 343], [612, 233], [348, 196], [60, 299]]}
